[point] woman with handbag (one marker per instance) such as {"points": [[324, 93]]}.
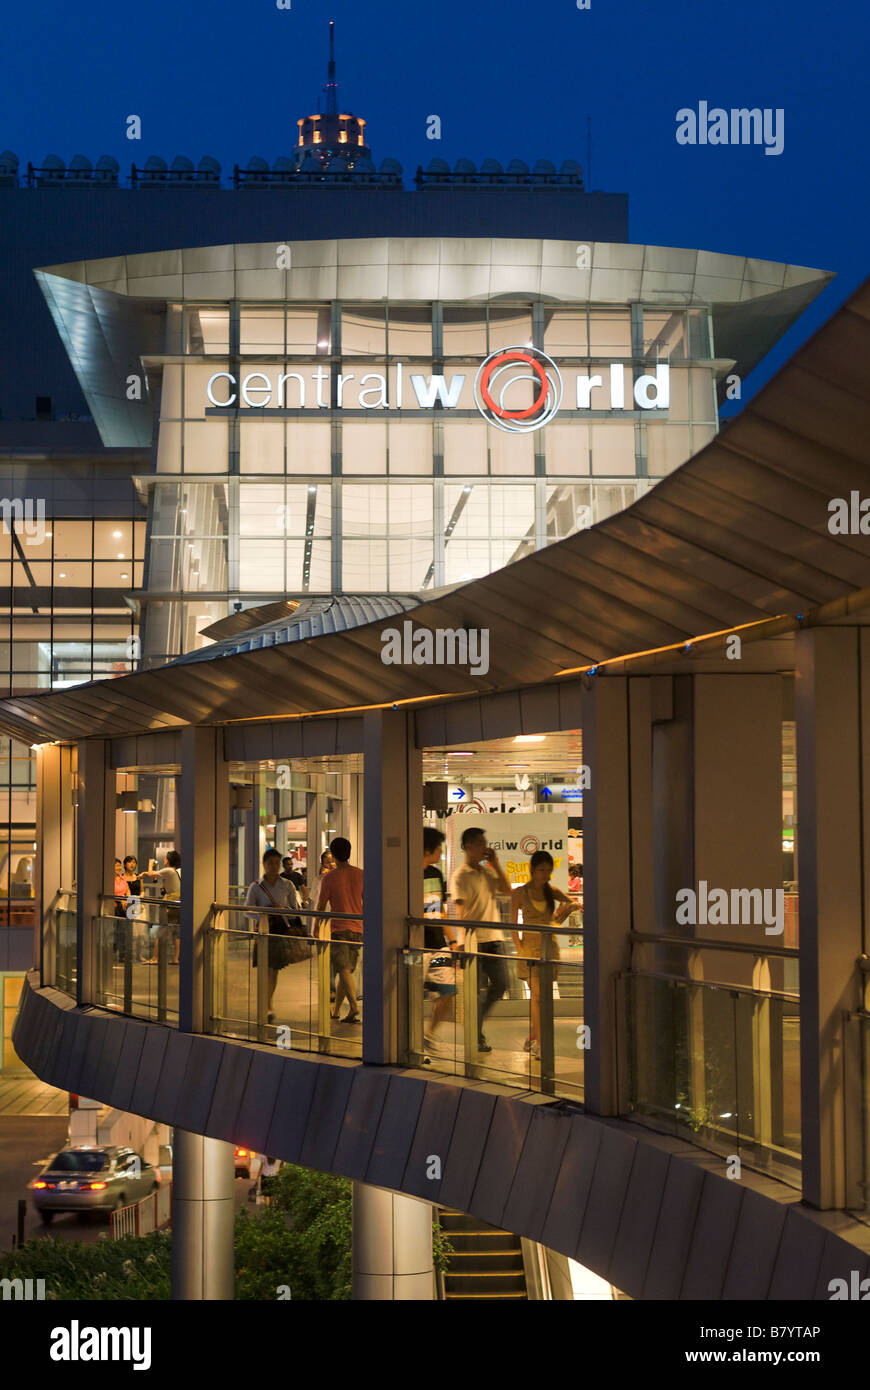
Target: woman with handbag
{"points": [[542, 905], [284, 947]]}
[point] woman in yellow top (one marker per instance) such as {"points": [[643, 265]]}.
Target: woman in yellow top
{"points": [[542, 905]]}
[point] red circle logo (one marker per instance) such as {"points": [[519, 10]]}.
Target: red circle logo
{"points": [[507, 368]]}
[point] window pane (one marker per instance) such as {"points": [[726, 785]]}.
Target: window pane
{"points": [[308, 329], [567, 447], [612, 448], [208, 330], [464, 332], [667, 446], [205, 447], [262, 447], [410, 332], [170, 393], [364, 446], [364, 330], [465, 446], [410, 510], [72, 539], [261, 330], [566, 333], [511, 453], [364, 566], [261, 565], [610, 333], [569, 509], [261, 509], [410, 564], [308, 447], [509, 326], [410, 447], [664, 333], [364, 511]]}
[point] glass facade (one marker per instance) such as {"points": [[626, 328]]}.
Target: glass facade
{"points": [[308, 448]]}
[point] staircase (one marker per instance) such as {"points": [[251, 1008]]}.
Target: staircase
{"points": [[486, 1262]]}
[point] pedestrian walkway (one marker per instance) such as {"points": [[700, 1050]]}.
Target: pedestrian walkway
{"points": [[22, 1093]]}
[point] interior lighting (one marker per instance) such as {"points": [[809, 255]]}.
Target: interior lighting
{"points": [[116, 535], [530, 738]]}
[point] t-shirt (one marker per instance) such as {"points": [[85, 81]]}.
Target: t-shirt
{"points": [[475, 890], [434, 897], [343, 891], [283, 894], [168, 882]]}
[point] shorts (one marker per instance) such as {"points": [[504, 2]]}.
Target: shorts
{"points": [[343, 955], [440, 976]]}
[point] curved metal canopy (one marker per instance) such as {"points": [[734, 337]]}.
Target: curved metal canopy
{"points": [[737, 535]]}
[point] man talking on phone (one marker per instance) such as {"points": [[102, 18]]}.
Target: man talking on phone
{"points": [[474, 887]]}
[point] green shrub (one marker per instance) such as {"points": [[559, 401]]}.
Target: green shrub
{"points": [[303, 1240]]}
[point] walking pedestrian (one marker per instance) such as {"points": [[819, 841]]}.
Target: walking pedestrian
{"points": [[474, 888]]}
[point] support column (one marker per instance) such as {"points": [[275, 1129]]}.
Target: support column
{"points": [[606, 880], [392, 1246], [203, 838], [832, 706], [55, 840], [95, 856], [203, 1176], [393, 821]]}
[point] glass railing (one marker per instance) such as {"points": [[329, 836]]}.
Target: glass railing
{"points": [[65, 956], [135, 962], [530, 1035], [717, 1064], [857, 1109], [267, 987]]}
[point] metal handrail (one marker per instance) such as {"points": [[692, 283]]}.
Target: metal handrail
{"points": [[712, 984], [692, 943], [460, 951], [287, 911], [562, 930], [120, 897]]}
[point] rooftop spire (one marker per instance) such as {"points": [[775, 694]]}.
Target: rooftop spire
{"points": [[331, 84]]}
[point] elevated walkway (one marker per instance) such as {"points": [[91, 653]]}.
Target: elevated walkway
{"points": [[649, 1213]]}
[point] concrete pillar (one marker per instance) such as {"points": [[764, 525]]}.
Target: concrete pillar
{"points": [[95, 853], [203, 1177], [393, 816], [392, 1246], [832, 708], [55, 841], [606, 880], [203, 841]]}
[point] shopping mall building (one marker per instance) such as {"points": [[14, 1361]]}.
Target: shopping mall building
{"points": [[474, 406]]}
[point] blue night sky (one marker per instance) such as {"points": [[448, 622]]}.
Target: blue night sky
{"points": [[514, 80]]}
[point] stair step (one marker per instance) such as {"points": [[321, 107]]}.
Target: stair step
{"points": [[486, 1280], [486, 1261], [506, 1294]]}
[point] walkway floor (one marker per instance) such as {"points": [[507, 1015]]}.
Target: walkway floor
{"points": [[22, 1093]]}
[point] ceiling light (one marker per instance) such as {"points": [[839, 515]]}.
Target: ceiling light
{"points": [[122, 557], [530, 738], [125, 576], [450, 754], [516, 764], [62, 575], [116, 535]]}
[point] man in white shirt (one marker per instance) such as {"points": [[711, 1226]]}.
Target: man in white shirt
{"points": [[474, 886]]}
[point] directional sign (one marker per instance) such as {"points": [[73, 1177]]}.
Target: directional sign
{"points": [[558, 793], [456, 794]]}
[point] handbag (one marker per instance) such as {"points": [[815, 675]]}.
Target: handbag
{"points": [[284, 946]]}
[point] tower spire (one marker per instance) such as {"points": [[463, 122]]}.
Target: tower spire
{"points": [[331, 84]]}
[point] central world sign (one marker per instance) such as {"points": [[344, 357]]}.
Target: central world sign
{"points": [[499, 392]]}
